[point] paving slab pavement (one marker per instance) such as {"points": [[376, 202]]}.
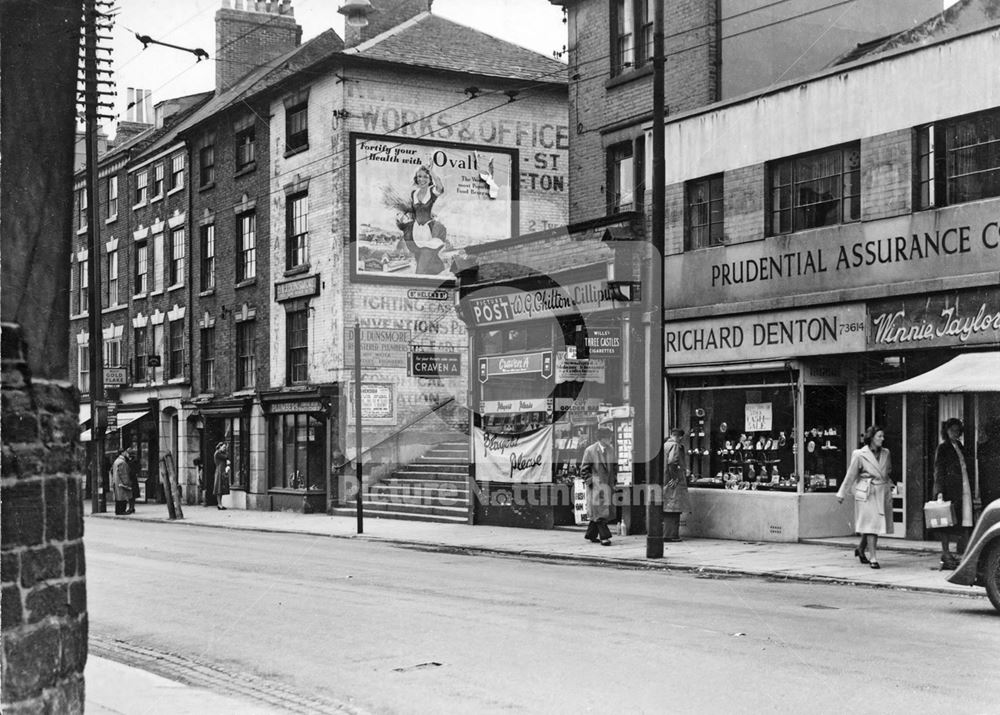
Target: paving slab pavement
{"points": [[905, 564], [116, 689]]}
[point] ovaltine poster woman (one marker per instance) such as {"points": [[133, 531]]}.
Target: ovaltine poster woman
{"points": [[423, 234]]}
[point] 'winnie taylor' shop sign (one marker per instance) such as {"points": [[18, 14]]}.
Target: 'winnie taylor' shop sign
{"points": [[939, 320]]}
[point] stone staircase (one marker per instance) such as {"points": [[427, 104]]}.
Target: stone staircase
{"points": [[434, 487]]}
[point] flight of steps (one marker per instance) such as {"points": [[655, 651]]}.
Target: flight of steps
{"points": [[434, 487]]}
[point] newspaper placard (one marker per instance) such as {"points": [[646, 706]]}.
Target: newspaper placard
{"points": [[514, 458]]}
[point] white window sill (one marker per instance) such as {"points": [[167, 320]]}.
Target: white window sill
{"points": [[111, 219], [139, 205], [140, 296], [79, 316], [158, 197], [243, 393], [82, 230], [156, 292], [179, 187], [176, 381], [114, 308], [175, 286]]}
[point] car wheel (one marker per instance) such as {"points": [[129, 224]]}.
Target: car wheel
{"points": [[991, 576]]}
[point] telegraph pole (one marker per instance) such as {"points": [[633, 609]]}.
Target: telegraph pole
{"points": [[95, 20], [654, 319]]}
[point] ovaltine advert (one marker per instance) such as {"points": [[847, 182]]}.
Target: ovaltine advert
{"points": [[776, 335], [505, 306]]}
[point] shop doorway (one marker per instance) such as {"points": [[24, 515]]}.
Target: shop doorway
{"points": [[891, 415]]}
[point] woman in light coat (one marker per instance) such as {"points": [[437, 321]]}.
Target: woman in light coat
{"points": [[869, 481]]}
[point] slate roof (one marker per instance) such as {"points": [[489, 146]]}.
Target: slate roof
{"points": [[434, 42], [963, 16], [324, 45]]}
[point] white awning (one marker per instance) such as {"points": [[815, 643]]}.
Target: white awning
{"points": [[124, 418], [975, 372]]}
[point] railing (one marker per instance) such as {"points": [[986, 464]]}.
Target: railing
{"points": [[403, 446]]}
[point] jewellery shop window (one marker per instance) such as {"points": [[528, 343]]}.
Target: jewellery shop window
{"points": [[739, 431], [825, 449]]}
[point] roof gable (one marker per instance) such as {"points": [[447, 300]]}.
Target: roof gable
{"points": [[434, 42]]}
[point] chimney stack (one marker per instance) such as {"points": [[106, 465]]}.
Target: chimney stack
{"points": [[387, 14], [249, 33]]}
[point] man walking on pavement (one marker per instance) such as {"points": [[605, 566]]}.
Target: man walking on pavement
{"points": [[121, 482], [598, 468]]}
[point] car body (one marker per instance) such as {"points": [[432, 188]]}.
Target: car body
{"points": [[981, 563]]}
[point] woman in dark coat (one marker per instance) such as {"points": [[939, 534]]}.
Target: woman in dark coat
{"points": [[221, 485], [953, 482]]}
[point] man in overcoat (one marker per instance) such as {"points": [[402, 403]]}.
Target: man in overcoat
{"points": [[676, 499], [598, 468], [121, 481]]}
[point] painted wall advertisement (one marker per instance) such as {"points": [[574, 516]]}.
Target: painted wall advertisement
{"points": [[937, 320], [929, 245], [513, 458], [761, 336], [419, 203]]}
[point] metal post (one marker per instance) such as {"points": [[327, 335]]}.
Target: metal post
{"points": [[357, 426], [654, 346], [98, 409]]}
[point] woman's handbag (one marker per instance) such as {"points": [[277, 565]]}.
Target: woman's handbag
{"points": [[861, 489], [939, 514]]}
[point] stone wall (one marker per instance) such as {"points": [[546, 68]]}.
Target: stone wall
{"points": [[44, 606]]}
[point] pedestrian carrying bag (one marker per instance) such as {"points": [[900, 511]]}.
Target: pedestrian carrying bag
{"points": [[939, 514]]}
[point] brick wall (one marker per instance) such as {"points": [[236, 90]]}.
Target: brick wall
{"points": [[599, 102], [44, 600], [246, 37]]}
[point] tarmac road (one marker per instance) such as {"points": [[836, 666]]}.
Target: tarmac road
{"points": [[312, 623]]}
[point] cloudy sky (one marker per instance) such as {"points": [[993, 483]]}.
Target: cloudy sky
{"points": [[536, 24]]}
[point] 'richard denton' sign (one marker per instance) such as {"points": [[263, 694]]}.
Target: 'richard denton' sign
{"points": [[780, 334], [928, 245]]}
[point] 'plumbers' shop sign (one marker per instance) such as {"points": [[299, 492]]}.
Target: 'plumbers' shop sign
{"points": [[937, 320], [508, 307], [930, 245], [777, 335]]}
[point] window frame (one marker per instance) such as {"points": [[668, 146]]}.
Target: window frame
{"points": [[157, 185], [246, 248], [176, 178], [83, 367], [631, 35], [83, 285], [141, 194], [208, 358], [175, 349], [297, 346], [715, 186], [111, 281], [142, 267], [941, 155], [246, 355], [113, 352], [296, 243], [240, 146], [784, 179], [617, 154], [297, 140], [81, 209], [206, 240], [206, 166], [140, 354], [112, 205], [176, 266]]}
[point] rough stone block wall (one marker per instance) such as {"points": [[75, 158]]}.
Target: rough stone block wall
{"points": [[887, 175], [44, 597]]}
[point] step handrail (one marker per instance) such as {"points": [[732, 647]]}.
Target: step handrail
{"points": [[428, 413]]}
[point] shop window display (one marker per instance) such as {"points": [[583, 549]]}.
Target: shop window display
{"points": [[740, 437], [825, 450]]}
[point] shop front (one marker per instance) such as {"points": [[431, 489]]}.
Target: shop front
{"points": [[769, 403], [937, 360], [137, 424], [301, 429], [537, 401], [223, 421]]}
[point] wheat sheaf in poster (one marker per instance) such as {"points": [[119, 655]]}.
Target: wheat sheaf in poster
{"points": [[419, 204]]}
